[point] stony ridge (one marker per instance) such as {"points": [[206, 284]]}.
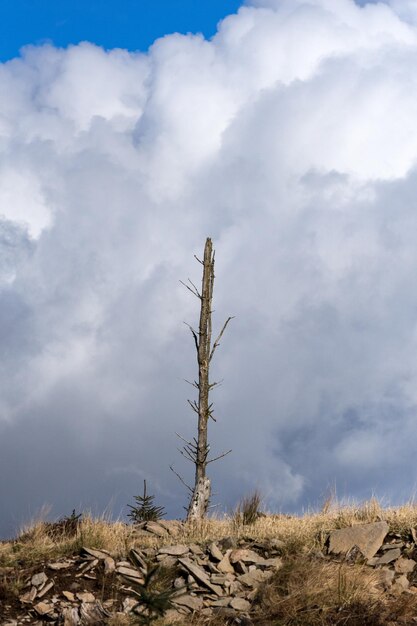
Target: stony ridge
{"points": [[222, 577]]}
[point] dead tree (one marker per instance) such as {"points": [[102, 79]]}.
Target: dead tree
{"points": [[197, 451]]}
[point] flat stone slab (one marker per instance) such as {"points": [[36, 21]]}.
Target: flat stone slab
{"points": [[29, 596], [240, 604], [389, 556], [172, 526], [200, 575], [225, 566], [156, 528], [254, 579], [215, 552], [191, 602], [60, 565], [68, 595], [246, 556], [368, 537], [97, 554], [129, 572], [177, 550], [43, 609], [45, 589], [86, 597]]}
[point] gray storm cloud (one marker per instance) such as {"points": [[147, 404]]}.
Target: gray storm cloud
{"points": [[291, 139]]}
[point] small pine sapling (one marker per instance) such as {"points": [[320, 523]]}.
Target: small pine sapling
{"points": [[145, 510], [152, 603]]}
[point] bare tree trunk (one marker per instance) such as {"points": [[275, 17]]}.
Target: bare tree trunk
{"points": [[200, 499], [197, 451], [202, 488]]}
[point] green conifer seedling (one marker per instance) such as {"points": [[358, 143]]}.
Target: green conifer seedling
{"points": [[145, 510]]}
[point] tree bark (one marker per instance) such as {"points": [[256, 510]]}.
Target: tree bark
{"points": [[197, 450], [199, 500], [202, 489]]}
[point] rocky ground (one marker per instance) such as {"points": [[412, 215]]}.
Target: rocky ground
{"points": [[222, 578], [92, 586]]}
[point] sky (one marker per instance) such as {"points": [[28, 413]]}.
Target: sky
{"points": [[128, 24], [288, 134]]}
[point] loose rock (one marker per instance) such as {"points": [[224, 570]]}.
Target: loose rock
{"points": [[245, 556], [39, 579], [215, 552], [240, 604], [191, 602], [368, 538], [42, 608], [389, 556], [86, 597], [225, 566], [404, 565], [200, 575], [177, 550]]}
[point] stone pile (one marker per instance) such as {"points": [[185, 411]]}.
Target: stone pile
{"points": [[220, 578], [372, 544]]}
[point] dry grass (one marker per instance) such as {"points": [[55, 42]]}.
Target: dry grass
{"points": [[310, 592], [301, 534], [308, 532], [36, 543], [248, 510], [307, 591], [120, 620]]}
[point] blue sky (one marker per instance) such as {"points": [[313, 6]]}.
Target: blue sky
{"points": [[131, 24]]}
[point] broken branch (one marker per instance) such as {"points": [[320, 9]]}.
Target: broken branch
{"points": [[219, 457], [216, 343]]}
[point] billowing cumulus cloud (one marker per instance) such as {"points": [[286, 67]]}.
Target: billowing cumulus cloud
{"points": [[291, 139]]}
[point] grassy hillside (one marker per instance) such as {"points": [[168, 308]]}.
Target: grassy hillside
{"points": [[309, 588]]}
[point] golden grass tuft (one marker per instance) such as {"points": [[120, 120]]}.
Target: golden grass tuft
{"points": [[248, 510]]}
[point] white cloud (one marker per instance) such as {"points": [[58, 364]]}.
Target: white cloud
{"points": [[21, 200], [291, 139]]}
